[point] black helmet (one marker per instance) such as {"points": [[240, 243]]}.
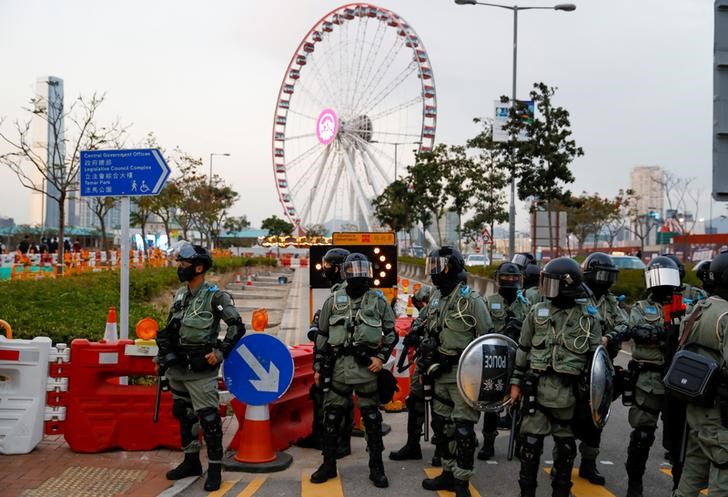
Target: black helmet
{"points": [[678, 263], [561, 277], [195, 254], [444, 256], [719, 271], [508, 275], [523, 259], [332, 261], [356, 266], [702, 271], [531, 275], [662, 271], [599, 270]]}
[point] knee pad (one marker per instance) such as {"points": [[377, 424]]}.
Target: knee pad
{"points": [[465, 435], [332, 418], [182, 410], [210, 421], [371, 417], [642, 438], [564, 450], [531, 448]]}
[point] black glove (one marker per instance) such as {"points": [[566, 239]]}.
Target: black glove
{"points": [[513, 328], [238, 331], [411, 340], [645, 333]]}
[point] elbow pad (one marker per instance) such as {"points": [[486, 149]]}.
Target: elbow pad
{"points": [[238, 331]]}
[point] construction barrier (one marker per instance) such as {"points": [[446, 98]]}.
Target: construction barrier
{"points": [[103, 414], [291, 416], [23, 378]]}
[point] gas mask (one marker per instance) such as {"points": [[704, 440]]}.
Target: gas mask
{"points": [[186, 273], [356, 287]]}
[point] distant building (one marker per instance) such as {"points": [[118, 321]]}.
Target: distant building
{"points": [[48, 126], [646, 183]]}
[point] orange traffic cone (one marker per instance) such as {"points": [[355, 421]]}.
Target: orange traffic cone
{"points": [[110, 334], [255, 452]]}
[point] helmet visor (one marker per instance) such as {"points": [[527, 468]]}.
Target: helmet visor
{"points": [[435, 264], [549, 285], [662, 276], [520, 260], [509, 280], [356, 269], [605, 276], [186, 252]]}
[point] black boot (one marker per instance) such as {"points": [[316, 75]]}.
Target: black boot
{"points": [[531, 447], [443, 481], [327, 470], [214, 477], [415, 419], [462, 488], [189, 467], [373, 429], [488, 449], [640, 441], [588, 470]]}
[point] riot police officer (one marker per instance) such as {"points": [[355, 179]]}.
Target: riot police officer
{"points": [[190, 355], [531, 276], [508, 309], [691, 294], [455, 316], [600, 274], [706, 461], [557, 341], [331, 271], [702, 271], [647, 367], [523, 259], [415, 401], [356, 336]]}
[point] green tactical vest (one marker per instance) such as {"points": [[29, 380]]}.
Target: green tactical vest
{"points": [[449, 319], [362, 313], [498, 309], [707, 337], [609, 310], [563, 337], [647, 312], [198, 324]]}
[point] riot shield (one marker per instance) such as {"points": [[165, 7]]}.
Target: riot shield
{"points": [[601, 386], [484, 372]]}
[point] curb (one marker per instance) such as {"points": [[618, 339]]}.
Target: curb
{"points": [[180, 486]]}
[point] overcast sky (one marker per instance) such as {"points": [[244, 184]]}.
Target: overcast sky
{"points": [[636, 77]]}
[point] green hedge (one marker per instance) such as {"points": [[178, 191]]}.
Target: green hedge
{"points": [[76, 306]]}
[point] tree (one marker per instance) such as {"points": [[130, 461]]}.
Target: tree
{"points": [[425, 180], [543, 159], [140, 216], [461, 174], [640, 224], [189, 181], [236, 223], [209, 208], [101, 206], [70, 130], [276, 227], [166, 204], [393, 207], [488, 183], [618, 219]]}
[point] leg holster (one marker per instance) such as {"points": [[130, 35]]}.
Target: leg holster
{"points": [[182, 410], [564, 453], [212, 431], [531, 448]]}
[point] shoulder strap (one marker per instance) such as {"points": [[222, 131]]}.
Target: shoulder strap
{"points": [[689, 326]]}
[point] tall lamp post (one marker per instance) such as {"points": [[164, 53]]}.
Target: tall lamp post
{"points": [[396, 144], [567, 7], [213, 155]]}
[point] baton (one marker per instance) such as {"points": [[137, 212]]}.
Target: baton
{"points": [[427, 387], [515, 414]]}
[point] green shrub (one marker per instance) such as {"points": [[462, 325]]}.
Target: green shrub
{"points": [[76, 306]]}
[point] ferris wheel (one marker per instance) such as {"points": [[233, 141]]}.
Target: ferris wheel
{"points": [[356, 101]]}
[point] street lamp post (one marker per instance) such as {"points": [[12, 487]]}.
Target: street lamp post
{"points": [[567, 7], [213, 155], [396, 144]]}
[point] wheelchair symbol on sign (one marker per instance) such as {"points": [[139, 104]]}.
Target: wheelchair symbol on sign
{"points": [[144, 188]]}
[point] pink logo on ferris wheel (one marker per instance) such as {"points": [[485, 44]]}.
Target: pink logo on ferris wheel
{"points": [[327, 126]]}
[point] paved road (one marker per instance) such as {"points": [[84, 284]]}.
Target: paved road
{"points": [[495, 478]]}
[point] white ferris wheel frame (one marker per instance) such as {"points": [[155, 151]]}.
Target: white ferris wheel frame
{"points": [[360, 201]]}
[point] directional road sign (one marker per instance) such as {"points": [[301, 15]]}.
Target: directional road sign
{"points": [[117, 173], [259, 370]]}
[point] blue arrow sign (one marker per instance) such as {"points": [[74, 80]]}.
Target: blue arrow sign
{"points": [[117, 173], [259, 370]]}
